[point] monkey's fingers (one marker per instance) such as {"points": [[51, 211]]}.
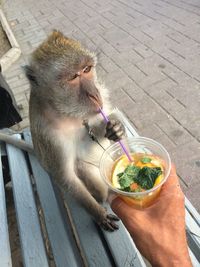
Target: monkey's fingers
{"points": [[116, 136], [112, 123], [115, 128], [109, 225], [113, 217]]}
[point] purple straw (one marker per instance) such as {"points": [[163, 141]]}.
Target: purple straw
{"points": [[120, 142]]}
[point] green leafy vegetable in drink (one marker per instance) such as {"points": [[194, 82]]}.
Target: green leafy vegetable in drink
{"points": [[147, 177], [144, 177], [146, 160], [127, 177]]}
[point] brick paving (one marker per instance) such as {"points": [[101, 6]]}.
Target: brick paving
{"points": [[149, 54]]}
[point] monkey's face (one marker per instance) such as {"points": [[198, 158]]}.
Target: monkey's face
{"points": [[79, 92], [63, 74]]}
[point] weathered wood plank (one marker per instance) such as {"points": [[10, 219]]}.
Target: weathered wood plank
{"points": [[5, 255], [33, 250], [92, 245], [193, 230], [193, 234], [62, 242], [110, 249]]}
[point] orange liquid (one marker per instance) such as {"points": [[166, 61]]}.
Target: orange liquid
{"points": [[138, 201]]}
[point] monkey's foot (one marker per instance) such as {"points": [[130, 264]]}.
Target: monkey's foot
{"points": [[109, 224]]}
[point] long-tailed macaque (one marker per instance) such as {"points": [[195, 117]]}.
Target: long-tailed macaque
{"points": [[65, 93]]}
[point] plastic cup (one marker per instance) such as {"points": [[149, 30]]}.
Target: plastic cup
{"points": [[135, 145]]}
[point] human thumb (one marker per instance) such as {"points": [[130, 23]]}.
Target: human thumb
{"points": [[118, 206]]}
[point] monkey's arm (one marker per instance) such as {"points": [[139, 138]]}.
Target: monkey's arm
{"points": [[16, 142]]}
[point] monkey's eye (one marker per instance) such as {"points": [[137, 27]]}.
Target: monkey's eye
{"points": [[87, 69]]}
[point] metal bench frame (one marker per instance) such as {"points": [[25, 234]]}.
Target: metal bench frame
{"points": [[74, 237]]}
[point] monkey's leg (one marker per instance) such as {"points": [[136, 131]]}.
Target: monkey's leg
{"points": [[78, 190], [93, 181]]}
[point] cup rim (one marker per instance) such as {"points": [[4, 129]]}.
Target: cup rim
{"points": [[129, 139]]}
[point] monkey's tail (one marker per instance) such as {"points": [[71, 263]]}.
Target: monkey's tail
{"points": [[16, 142]]}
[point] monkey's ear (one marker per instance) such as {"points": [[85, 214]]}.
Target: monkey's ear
{"points": [[57, 33], [30, 74]]}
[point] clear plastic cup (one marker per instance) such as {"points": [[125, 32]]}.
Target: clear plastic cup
{"points": [[135, 145]]}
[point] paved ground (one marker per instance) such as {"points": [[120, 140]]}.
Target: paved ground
{"points": [[149, 54]]}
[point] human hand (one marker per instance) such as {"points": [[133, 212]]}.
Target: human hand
{"points": [[159, 230]]}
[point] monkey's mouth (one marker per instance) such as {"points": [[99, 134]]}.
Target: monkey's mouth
{"points": [[96, 99]]}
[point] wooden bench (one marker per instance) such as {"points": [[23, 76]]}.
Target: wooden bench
{"points": [[75, 239]]}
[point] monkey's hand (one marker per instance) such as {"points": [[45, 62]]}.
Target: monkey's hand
{"points": [[114, 130], [109, 224]]}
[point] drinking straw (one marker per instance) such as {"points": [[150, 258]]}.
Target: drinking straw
{"points": [[106, 119]]}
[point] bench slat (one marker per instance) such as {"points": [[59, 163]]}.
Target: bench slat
{"points": [[92, 245], [103, 248], [193, 239], [5, 254], [33, 250], [62, 242], [195, 262], [193, 229]]}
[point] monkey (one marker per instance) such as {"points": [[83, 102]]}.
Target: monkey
{"points": [[65, 99]]}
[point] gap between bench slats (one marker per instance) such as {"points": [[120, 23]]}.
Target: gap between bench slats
{"points": [[62, 242], [33, 250], [5, 254]]}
